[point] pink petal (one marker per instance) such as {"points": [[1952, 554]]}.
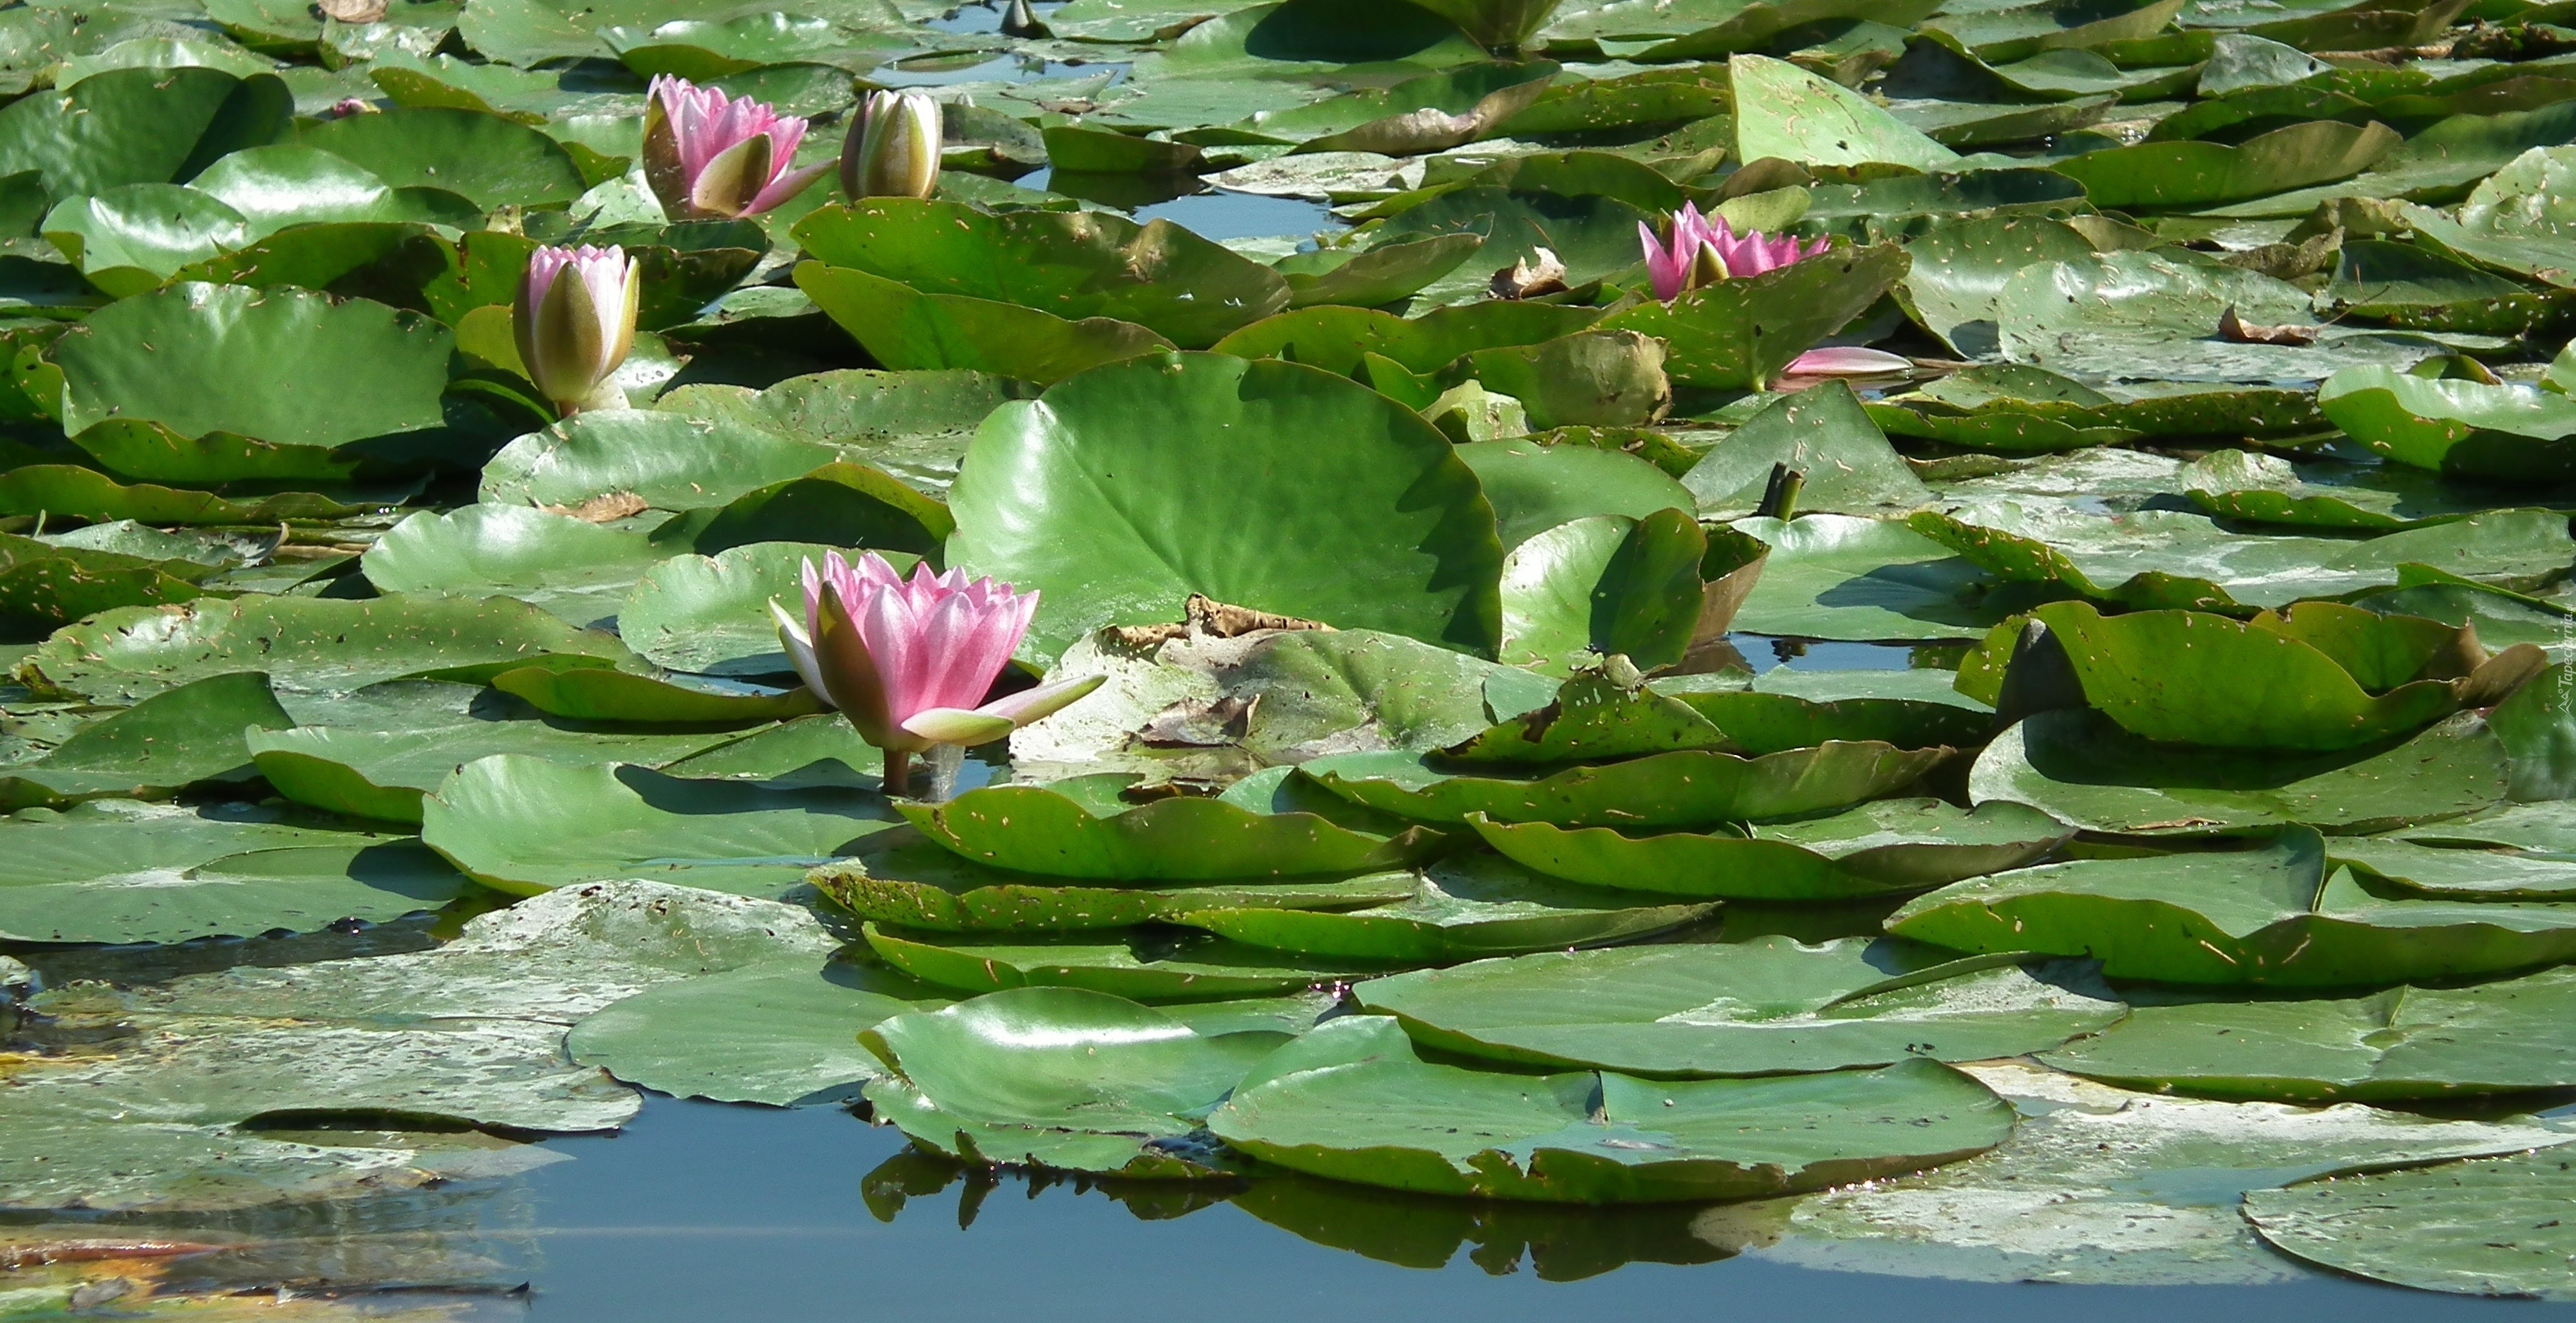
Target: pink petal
{"points": [[1828, 364], [798, 643], [892, 631]]}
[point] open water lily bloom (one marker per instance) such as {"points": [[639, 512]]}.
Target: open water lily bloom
{"points": [[909, 661], [711, 157], [575, 321], [1705, 249]]}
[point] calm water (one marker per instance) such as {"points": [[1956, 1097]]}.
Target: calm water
{"points": [[706, 1212]]}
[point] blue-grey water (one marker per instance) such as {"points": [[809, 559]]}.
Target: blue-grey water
{"points": [[703, 1212]]}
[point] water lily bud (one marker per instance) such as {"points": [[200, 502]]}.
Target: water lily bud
{"points": [[708, 157], [893, 150], [575, 320]]}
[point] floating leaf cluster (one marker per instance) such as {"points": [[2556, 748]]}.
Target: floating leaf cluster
{"points": [[1925, 635]]}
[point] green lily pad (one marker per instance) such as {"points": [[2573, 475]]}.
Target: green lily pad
{"points": [[1378, 276], [1681, 789], [470, 1032], [1608, 584], [139, 126], [927, 887], [1535, 487], [277, 187], [1764, 1007], [306, 888], [172, 740], [571, 568], [2405, 1043], [1075, 265], [1821, 433], [1060, 1077], [2139, 316], [2320, 676], [1394, 1121], [904, 328], [2274, 916], [129, 239], [306, 643], [1840, 577], [1417, 556], [1339, 339], [772, 1033], [666, 460], [300, 373], [598, 694], [2460, 874], [1463, 909], [84, 493], [491, 160], [526, 825], [1740, 334], [383, 770], [1783, 111], [1158, 970], [2080, 767], [1960, 267], [1593, 234], [1592, 719], [2484, 1228], [1070, 831], [2208, 174], [2171, 558], [711, 613], [2467, 428], [52, 581], [1891, 846], [2106, 1186], [914, 425]]}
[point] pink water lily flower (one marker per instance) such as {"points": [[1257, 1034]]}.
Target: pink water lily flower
{"points": [[709, 157], [909, 661], [1705, 249]]}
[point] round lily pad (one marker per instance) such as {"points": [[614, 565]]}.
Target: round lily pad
{"points": [[1149, 966], [2275, 915], [1463, 908], [1032, 829], [1060, 1077], [1607, 1138], [1767, 1006], [279, 367], [2080, 767], [307, 643], [1693, 788], [925, 886], [2491, 1227], [2405, 1043], [772, 1033], [526, 825], [1890, 846], [1340, 505]]}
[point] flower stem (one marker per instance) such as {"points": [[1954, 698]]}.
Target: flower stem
{"points": [[898, 773], [945, 760]]}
